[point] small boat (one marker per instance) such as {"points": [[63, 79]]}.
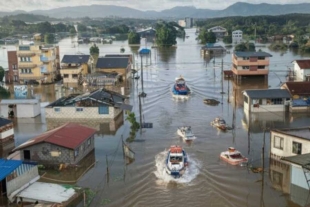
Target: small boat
{"points": [[233, 157], [176, 161], [219, 123], [210, 101], [186, 132], [180, 89]]}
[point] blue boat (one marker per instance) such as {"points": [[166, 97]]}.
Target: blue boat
{"points": [[180, 88], [176, 161]]}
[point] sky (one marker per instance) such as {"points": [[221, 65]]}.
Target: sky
{"points": [[157, 5]]}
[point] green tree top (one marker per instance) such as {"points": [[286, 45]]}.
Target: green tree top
{"points": [[133, 38], [165, 34], [1, 73], [94, 50]]}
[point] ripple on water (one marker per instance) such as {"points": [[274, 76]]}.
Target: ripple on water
{"points": [[164, 179]]}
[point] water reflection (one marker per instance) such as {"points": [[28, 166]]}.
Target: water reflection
{"points": [[166, 54], [280, 176]]}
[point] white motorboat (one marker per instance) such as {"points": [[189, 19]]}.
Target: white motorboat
{"points": [[186, 132], [220, 123], [233, 157], [176, 161]]}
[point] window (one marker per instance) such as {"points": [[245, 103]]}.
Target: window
{"points": [[261, 58], [246, 58], [296, 149], [261, 67], [57, 109], [277, 101], [76, 152], [66, 76], [79, 109], [245, 67], [278, 142], [103, 110], [74, 75], [24, 47], [88, 141]]}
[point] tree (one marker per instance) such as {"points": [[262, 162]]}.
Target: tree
{"points": [[245, 47], [227, 39], [45, 27], [1, 74], [49, 38], [165, 34], [94, 50], [72, 31], [133, 38], [206, 37]]}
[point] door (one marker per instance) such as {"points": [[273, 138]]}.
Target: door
{"points": [[26, 154]]}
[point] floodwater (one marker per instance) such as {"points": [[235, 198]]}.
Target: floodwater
{"points": [[208, 181]]}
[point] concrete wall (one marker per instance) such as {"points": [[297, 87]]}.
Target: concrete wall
{"points": [[263, 106], [300, 73], [298, 177], [87, 113], [7, 133], [27, 110]]}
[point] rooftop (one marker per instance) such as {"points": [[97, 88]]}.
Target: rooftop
{"points": [[252, 54], [303, 133], [4, 122], [298, 88], [19, 101], [112, 62], [75, 59], [69, 135], [303, 64], [267, 93], [7, 167], [303, 160]]}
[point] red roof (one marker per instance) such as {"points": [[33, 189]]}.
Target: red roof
{"points": [[69, 135], [298, 88], [303, 64]]}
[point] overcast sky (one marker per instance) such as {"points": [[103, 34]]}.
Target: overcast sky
{"points": [[158, 5]]}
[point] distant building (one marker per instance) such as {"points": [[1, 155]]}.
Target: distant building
{"points": [[302, 69], [38, 62], [149, 34], [182, 23], [68, 144], [210, 49], [250, 64], [189, 22], [218, 31], [237, 37], [12, 74]]}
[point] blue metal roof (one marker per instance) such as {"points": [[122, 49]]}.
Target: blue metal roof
{"points": [[144, 51], [8, 166]]}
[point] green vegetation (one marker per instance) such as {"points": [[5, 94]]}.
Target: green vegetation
{"points": [[49, 38], [94, 50], [278, 46], [2, 72], [133, 38], [206, 37], [227, 39], [4, 93], [135, 126], [166, 34], [245, 47]]}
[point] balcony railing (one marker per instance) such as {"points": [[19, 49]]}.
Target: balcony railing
{"points": [[26, 53], [47, 59], [248, 63], [27, 65], [70, 70], [250, 72], [30, 76]]}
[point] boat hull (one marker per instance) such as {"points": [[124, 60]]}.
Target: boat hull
{"points": [[185, 137], [234, 162], [173, 167]]}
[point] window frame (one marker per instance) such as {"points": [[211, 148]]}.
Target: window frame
{"points": [[281, 142], [299, 150]]}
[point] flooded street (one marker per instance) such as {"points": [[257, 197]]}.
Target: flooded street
{"points": [[209, 181]]}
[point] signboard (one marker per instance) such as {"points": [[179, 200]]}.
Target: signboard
{"points": [[20, 91], [147, 125]]}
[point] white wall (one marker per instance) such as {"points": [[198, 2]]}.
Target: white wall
{"points": [[7, 133], [27, 110], [4, 110]]}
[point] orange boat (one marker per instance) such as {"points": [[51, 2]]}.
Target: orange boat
{"points": [[233, 157]]}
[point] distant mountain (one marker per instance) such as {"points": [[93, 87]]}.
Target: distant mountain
{"points": [[237, 9]]}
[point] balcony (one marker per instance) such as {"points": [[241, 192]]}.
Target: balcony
{"points": [[70, 70], [26, 65], [248, 63], [26, 53], [250, 72], [47, 59], [30, 76]]}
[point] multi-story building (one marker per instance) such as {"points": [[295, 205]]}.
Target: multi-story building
{"points": [[236, 36], [189, 22], [12, 74], [38, 62], [250, 64]]}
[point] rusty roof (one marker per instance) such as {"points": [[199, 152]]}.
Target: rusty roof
{"points": [[70, 135], [303, 64], [298, 88]]}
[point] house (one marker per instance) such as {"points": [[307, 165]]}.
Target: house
{"points": [[148, 33], [75, 66], [210, 49], [250, 64], [300, 93], [38, 62], [98, 104], [14, 175], [237, 36], [267, 100], [6, 130], [218, 31], [302, 69], [12, 75], [120, 65], [22, 108], [67, 144], [37, 36]]}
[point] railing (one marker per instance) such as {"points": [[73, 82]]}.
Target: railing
{"points": [[47, 59], [29, 76], [250, 72], [25, 53], [248, 63], [27, 65]]}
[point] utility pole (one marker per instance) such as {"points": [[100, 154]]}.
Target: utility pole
{"points": [[222, 92], [141, 74], [140, 113]]}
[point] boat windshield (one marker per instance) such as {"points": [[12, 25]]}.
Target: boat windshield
{"points": [[222, 122], [175, 159], [236, 156]]}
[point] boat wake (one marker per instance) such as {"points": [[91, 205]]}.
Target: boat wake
{"points": [[163, 178]]}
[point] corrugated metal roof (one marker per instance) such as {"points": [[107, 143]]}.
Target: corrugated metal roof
{"points": [[8, 166], [48, 192], [268, 93], [75, 59], [252, 54], [69, 135], [303, 64], [112, 62], [4, 122], [303, 160], [303, 133], [298, 88]]}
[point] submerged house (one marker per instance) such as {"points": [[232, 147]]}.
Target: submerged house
{"points": [[210, 49], [98, 104], [68, 144], [302, 69], [300, 93]]}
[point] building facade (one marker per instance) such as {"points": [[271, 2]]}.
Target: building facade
{"points": [[237, 36], [219, 31], [38, 62], [6, 130], [74, 68], [250, 64], [302, 70], [12, 74], [300, 93], [189, 22]]}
